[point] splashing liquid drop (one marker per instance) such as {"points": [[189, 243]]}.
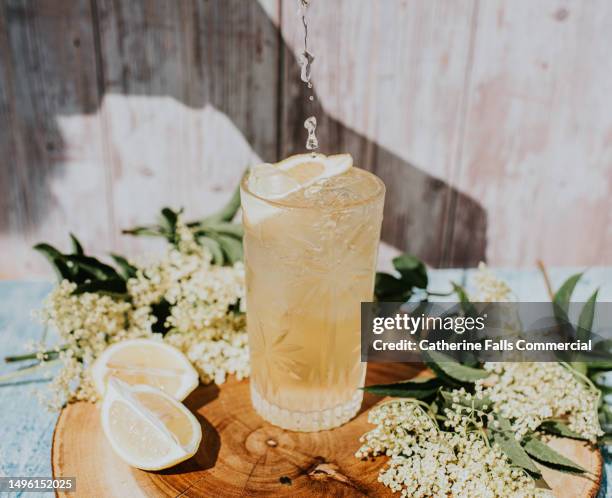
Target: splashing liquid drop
{"points": [[305, 60], [311, 125]]}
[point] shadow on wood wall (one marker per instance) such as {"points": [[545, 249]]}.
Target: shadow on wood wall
{"points": [[62, 57]]}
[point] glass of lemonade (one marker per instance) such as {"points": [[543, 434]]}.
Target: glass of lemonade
{"points": [[312, 226]]}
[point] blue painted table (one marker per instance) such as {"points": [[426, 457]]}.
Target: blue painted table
{"points": [[26, 430]]}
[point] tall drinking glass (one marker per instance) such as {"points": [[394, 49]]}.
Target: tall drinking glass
{"points": [[310, 260]]}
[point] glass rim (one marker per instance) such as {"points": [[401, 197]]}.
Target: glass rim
{"points": [[380, 192]]}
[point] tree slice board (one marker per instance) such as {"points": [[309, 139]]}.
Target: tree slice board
{"points": [[242, 455]]}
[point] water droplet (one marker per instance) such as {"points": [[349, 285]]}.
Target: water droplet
{"points": [[303, 7], [306, 60], [311, 125]]}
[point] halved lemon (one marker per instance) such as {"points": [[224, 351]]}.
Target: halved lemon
{"points": [[147, 428], [146, 361], [276, 181]]}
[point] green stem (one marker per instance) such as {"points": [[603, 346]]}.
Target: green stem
{"points": [[439, 294], [20, 357], [50, 354], [24, 371], [424, 406]]}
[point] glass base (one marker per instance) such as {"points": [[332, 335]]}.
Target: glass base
{"points": [[306, 421]]}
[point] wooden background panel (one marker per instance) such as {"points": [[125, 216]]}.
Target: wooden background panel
{"points": [[389, 80], [490, 123], [48, 182], [538, 150], [197, 104]]}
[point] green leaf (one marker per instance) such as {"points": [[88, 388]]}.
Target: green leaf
{"points": [[146, 231], [77, 248], [228, 211], [466, 306], [549, 457], [168, 220], [412, 270], [600, 365], [579, 366], [605, 417], [605, 390], [540, 483], [214, 247], [453, 369], [419, 389], [92, 267], [461, 293], [115, 287], [232, 248], [563, 296], [126, 269], [413, 274], [505, 439], [233, 229], [390, 288], [585, 321], [56, 259], [559, 428], [605, 440]]}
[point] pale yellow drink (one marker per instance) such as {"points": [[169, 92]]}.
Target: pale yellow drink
{"points": [[310, 252]]}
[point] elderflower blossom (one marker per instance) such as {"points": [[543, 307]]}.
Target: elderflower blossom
{"points": [[204, 321], [203, 298], [529, 393], [87, 324], [427, 462], [489, 288]]}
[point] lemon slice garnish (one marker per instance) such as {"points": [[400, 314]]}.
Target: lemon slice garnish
{"points": [[274, 182], [149, 362], [147, 428]]}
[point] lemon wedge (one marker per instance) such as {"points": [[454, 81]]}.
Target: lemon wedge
{"points": [[147, 428], [146, 361], [276, 181]]}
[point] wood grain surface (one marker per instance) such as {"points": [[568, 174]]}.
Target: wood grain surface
{"points": [[242, 455], [490, 122]]}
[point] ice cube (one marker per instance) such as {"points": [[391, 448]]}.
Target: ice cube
{"points": [[270, 182]]}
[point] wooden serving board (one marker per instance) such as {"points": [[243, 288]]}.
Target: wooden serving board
{"points": [[242, 455]]}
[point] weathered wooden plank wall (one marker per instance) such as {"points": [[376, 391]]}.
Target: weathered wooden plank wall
{"points": [[390, 77], [50, 178], [489, 121], [190, 102], [507, 103], [538, 132]]}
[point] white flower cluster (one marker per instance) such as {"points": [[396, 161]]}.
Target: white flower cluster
{"points": [[427, 462], [489, 288], [529, 393], [86, 324], [204, 320]]}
